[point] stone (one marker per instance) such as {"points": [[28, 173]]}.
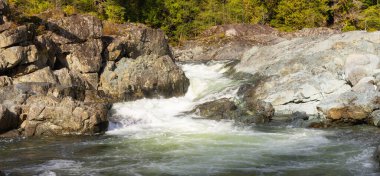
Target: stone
{"points": [[300, 115], [16, 36], [8, 120], [85, 57], [350, 106], [359, 66], [74, 29], [375, 118], [4, 8], [44, 75], [49, 116], [146, 76], [218, 110]]}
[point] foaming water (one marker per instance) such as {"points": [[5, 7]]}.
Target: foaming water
{"points": [[162, 137]]}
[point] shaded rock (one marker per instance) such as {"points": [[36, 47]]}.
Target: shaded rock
{"points": [[261, 110], [74, 29], [8, 120], [146, 76], [359, 66], [300, 115], [16, 36], [11, 134], [44, 75], [85, 57], [350, 106], [51, 116], [4, 8], [218, 110]]}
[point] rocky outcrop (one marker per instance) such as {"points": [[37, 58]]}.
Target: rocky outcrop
{"points": [[298, 73], [145, 76], [62, 81]]}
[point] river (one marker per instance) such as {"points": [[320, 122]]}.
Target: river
{"points": [[161, 137]]}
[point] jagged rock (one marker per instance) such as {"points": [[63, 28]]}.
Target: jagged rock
{"points": [[85, 57], [218, 110], [300, 115], [359, 66], [43, 75], [52, 116], [74, 29], [350, 106], [4, 9], [146, 76], [5, 81], [8, 120], [16, 36]]}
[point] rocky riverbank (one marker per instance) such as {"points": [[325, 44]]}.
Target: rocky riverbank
{"points": [[59, 76]]}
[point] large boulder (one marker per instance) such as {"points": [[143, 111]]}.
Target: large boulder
{"points": [[359, 66], [49, 115], [350, 106], [17, 35], [148, 75], [75, 28], [84, 57]]}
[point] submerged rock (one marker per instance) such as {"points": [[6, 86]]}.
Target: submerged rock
{"points": [[8, 120]]}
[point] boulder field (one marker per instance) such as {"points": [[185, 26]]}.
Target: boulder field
{"points": [[62, 79]]}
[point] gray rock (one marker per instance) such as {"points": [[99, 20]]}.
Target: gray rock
{"points": [[300, 72], [51, 116], [366, 84], [359, 66], [144, 77], [375, 118], [75, 28], [85, 57], [16, 36]]}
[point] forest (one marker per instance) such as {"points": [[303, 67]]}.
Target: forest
{"points": [[184, 19]]}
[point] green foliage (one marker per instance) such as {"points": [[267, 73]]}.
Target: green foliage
{"points": [[293, 15], [182, 19], [371, 18]]}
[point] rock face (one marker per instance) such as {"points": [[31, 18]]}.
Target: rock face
{"points": [[146, 76], [298, 73], [246, 113], [61, 82]]}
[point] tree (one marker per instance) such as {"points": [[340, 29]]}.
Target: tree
{"points": [[370, 19], [294, 15]]}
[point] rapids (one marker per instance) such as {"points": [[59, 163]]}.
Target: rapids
{"points": [[161, 137]]}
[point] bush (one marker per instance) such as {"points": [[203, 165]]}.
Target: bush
{"points": [[115, 13]]}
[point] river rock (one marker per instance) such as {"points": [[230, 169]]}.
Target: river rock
{"points": [[85, 57], [51, 116], [8, 120], [16, 36], [359, 66], [365, 84], [74, 29], [5, 81], [350, 106], [148, 75], [375, 118], [218, 110]]}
